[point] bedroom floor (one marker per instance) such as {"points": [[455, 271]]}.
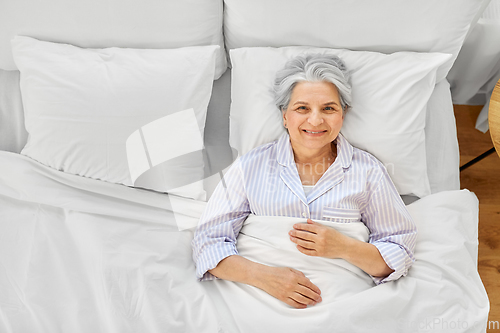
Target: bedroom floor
{"points": [[483, 178]]}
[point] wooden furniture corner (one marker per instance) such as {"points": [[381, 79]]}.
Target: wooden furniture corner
{"points": [[494, 117]]}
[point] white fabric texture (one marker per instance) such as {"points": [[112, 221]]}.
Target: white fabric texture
{"points": [[384, 26], [444, 261], [13, 134], [80, 255], [264, 239], [441, 144], [83, 107], [129, 24], [387, 119]]}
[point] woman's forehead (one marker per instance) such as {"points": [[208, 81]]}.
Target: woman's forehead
{"points": [[318, 89]]}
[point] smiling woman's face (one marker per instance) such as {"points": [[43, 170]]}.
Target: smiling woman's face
{"points": [[314, 117]]}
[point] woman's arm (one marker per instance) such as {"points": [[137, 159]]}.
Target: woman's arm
{"points": [[286, 284], [367, 257], [392, 235], [315, 239], [215, 237], [392, 229], [216, 255]]}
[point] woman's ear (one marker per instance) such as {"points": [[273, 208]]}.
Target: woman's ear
{"points": [[283, 113]]}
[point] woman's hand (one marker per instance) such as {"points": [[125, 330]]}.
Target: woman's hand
{"points": [[315, 239], [286, 284], [290, 286]]}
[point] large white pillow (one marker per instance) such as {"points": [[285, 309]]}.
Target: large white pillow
{"points": [[387, 119], [384, 26], [145, 24], [103, 113]]}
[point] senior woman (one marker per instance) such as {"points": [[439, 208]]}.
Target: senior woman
{"points": [[312, 172]]}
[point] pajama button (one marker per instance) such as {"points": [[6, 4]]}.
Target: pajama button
{"points": [[304, 214]]}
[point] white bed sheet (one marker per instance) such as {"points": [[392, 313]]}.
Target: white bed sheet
{"points": [[81, 255]]}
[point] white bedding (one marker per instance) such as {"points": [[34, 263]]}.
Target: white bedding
{"points": [[264, 239], [442, 159], [81, 255]]}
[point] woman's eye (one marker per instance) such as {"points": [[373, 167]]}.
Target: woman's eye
{"points": [[330, 109], [301, 109]]}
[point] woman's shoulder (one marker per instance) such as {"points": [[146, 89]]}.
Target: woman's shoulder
{"points": [[359, 154], [370, 166], [366, 160], [266, 150]]}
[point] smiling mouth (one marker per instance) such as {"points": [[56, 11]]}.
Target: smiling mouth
{"points": [[312, 132]]}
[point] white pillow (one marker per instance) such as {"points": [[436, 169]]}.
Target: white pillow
{"points": [[82, 105], [145, 24], [387, 119], [383, 26]]}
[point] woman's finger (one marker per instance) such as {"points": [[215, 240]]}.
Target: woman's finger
{"points": [[309, 252], [304, 243], [304, 281], [301, 299], [290, 301], [309, 293], [305, 235], [297, 272], [312, 228]]}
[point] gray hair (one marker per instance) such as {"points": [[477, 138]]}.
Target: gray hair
{"points": [[312, 68]]}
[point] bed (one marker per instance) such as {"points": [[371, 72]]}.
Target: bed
{"points": [[118, 120]]}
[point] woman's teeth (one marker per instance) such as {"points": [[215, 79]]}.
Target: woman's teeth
{"points": [[313, 132]]}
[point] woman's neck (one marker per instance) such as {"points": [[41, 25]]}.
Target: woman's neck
{"points": [[311, 167], [323, 156]]}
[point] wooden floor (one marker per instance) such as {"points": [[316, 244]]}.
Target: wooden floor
{"points": [[483, 178]]}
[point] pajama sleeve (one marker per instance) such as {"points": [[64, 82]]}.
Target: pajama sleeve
{"points": [[220, 224], [392, 229]]}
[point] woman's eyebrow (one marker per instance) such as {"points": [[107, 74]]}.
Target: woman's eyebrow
{"points": [[327, 103]]}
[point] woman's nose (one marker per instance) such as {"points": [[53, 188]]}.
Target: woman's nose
{"points": [[315, 118]]}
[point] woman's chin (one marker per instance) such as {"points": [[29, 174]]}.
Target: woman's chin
{"points": [[315, 141]]}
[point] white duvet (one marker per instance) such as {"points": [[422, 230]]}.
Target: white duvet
{"points": [[81, 255]]}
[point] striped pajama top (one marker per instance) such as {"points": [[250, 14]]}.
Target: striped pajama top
{"points": [[265, 181]]}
